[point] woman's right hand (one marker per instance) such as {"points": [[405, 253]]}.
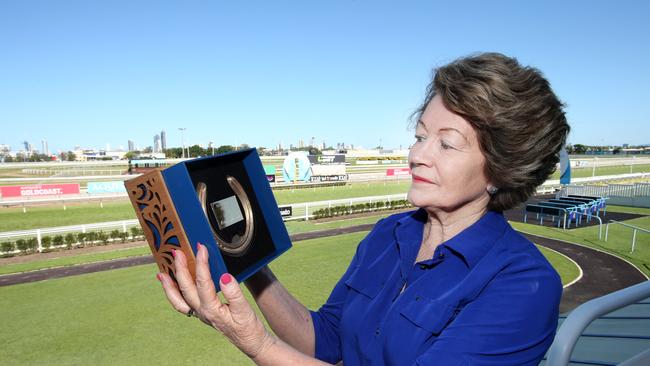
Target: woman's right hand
{"points": [[235, 319]]}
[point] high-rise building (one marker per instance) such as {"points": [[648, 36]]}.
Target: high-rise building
{"points": [[44, 148], [163, 139], [301, 144], [131, 145], [156, 144], [27, 145]]}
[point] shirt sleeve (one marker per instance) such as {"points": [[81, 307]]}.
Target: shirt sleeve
{"points": [[512, 322], [327, 319]]}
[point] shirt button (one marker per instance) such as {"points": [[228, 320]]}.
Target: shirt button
{"points": [[377, 332], [417, 298]]}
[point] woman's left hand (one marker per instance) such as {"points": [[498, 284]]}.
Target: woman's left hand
{"points": [[235, 319]]}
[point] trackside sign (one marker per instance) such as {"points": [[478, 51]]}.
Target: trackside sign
{"points": [[39, 190], [398, 171]]}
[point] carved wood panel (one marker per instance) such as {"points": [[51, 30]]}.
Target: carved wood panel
{"points": [[159, 221]]}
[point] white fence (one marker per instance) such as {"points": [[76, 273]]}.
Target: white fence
{"points": [[305, 210], [123, 226], [300, 211], [611, 190]]}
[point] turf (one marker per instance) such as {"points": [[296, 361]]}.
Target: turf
{"points": [[86, 213], [619, 240], [76, 214], [72, 260], [567, 270], [293, 227], [121, 317], [605, 170]]}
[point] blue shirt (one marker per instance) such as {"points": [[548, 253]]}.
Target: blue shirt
{"points": [[487, 297]]}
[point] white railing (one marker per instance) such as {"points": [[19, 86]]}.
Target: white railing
{"points": [[634, 230], [579, 319], [305, 210], [300, 211], [122, 225], [610, 190]]}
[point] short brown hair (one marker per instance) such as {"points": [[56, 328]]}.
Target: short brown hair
{"points": [[519, 121]]}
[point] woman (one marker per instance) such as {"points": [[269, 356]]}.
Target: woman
{"points": [[448, 284]]}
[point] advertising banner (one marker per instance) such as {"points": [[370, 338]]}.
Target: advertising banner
{"points": [[269, 170], [296, 167], [39, 190], [286, 211], [106, 187], [398, 171], [327, 159]]}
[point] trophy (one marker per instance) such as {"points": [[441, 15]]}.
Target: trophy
{"points": [[223, 202]]}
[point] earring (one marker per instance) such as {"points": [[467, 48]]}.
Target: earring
{"points": [[492, 189]]}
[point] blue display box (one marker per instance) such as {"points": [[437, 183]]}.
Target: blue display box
{"points": [[224, 202]]}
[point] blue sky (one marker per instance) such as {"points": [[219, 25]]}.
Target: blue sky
{"points": [[263, 72]]}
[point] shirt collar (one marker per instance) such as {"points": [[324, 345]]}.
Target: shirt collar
{"points": [[470, 244]]}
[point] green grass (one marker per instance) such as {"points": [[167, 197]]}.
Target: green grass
{"points": [[293, 227], [77, 214], [619, 239], [286, 196], [86, 213], [568, 270], [72, 260], [121, 317], [605, 170]]}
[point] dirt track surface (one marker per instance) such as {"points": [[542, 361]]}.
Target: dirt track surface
{"points": [[603, 273]]}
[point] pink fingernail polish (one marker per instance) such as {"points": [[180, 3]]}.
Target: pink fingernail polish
{"points": [[174, 253], [226, 278], [159, 277]]}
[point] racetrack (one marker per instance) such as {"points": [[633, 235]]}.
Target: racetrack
{"points": [[603, 273]]}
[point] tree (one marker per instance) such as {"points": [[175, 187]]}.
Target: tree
{"points": [[70, 156], [46, 242], [70, 239], [38, 157], [579, 149], [57, 240], [103, 237], [115, 234], [173, 152], [7, 246], [196, 151], [22, 245], [224, 149]]}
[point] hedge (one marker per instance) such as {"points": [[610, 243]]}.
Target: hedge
{"points": [[343, 210]]}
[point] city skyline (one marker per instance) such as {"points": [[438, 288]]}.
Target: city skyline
{"points": [[92, 74], [158, 141]]}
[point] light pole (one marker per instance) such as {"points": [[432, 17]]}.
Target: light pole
{"points": [[212, 146], [182, 129]]}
